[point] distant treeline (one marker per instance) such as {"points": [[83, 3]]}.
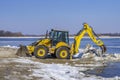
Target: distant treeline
{"points": [[105, 34], [109, 34], [99, 34], [19, 34], [10, 34]]}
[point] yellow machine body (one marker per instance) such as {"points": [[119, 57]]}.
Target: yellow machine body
{"points": [[47, 43], [58, 43]]}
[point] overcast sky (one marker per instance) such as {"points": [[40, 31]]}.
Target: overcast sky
{"points": [[37, 16]]}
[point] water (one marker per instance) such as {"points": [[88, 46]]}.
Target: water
{"points": [[112, 44], [112, 70]]}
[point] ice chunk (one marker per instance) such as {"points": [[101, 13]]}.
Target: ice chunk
{"points": [[9, 46]]}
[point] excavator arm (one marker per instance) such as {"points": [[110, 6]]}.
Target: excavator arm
{"points": [[92, 35]]}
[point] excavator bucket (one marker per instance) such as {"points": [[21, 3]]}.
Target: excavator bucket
{"points": [[103, 49], [22, 51]]}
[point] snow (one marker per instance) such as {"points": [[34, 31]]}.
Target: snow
{"points": [[95, 55], [56, 71], [25, 61], [9, 46], [59, 71], [65, 71]]}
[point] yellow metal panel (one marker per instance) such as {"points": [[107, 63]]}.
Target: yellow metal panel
{"points": [[51, 50], [60, 44], [30, 49], [45, 42]]}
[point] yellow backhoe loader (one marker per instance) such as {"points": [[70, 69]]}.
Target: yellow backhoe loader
{"points": [[58, 44]]}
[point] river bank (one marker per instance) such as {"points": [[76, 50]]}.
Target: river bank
{"points": [[16, 68]]}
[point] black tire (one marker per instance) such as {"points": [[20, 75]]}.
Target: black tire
{"points": [[62, 53], [41, 52]]}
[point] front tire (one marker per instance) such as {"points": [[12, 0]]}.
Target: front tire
{"points": [[63, 53], [41, 52]]}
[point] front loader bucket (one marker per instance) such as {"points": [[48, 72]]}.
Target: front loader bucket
{"points": [[22, 51]]}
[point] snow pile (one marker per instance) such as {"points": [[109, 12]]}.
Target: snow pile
{"points": [[55, 71], [88, 52], [96, 54], [58, 71], [112, 57]]}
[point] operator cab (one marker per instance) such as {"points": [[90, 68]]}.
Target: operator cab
{"points": [[58, 36]]}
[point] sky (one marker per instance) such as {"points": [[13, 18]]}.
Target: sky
{"points": [[37, 16]]}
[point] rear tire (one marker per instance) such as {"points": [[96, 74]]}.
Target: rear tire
{"points": [[63, 53], [41, 52]]}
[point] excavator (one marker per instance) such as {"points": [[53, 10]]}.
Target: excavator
{"points": [[57, 44]]}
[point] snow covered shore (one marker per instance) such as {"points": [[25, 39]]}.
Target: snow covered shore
{"points": [[26, 68]]}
